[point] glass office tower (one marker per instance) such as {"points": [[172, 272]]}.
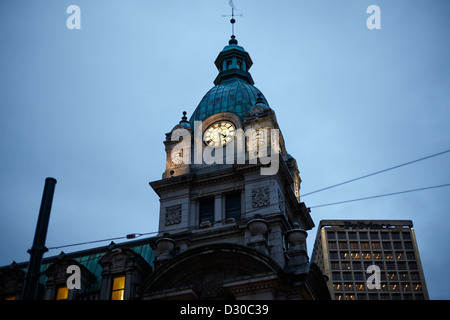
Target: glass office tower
{"points": [[345, 249]]}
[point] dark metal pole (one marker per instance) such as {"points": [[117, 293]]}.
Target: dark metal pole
{"points": [[38, 249]]}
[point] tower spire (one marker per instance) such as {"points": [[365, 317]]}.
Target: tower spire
{"points": [[232, 21]]}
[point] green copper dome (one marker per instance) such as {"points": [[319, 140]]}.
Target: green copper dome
{"points": [[234, 91], [233, 95]]}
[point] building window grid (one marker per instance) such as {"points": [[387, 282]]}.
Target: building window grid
{"points": [[366, 246]]}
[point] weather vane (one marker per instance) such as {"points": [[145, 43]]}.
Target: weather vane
{"points": [[232, 20]]}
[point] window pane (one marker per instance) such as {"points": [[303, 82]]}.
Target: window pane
{"points": [[118, 288], [119, 283], [62, 293], [207, 210], [233, 206], [117, 295]]}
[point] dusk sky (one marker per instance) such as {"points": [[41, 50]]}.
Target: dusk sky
{"points": [[90, 107]]}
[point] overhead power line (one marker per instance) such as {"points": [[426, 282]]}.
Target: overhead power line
{"points": [[137, 235], [377, 172], [381, 195]]}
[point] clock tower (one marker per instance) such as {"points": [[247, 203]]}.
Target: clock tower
{"points": [[231, 221]]}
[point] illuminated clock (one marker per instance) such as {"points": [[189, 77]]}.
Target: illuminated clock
{"points": [[177, 156], [219, 133]]}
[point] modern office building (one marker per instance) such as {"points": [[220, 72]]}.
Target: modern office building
{"points": [[345, 250]]}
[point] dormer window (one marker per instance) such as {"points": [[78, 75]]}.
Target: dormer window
{"points": [[62, 293], [118, 288]]}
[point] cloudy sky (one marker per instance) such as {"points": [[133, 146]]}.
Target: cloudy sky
{"points": [[91, 107]]}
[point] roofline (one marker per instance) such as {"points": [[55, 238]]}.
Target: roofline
{"points": [[87, 252]]}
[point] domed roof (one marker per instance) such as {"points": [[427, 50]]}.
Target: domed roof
{"points": [[234, 89], [233, 95]]}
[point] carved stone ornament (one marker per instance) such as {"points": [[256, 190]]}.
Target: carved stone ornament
{"points": [[256, 110], [260, 197], [173, 215], [281, 204]]}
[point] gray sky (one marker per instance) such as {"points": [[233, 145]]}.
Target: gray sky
{"points": [[91, 107]]}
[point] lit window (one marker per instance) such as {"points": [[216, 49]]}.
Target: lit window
{"points": [[406, 287], [62, 293], [394, 286], [377, 255], [348, 286], [360, 286], [118, 288], [337, 287], [417, 287], [366, 255], [10, 298], [389, 255], [355, 255], [392, 275]]}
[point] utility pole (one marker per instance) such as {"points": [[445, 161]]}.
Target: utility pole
{"points": [[38, 249]]}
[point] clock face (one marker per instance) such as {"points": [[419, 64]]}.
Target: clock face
{"points": [[177, 156], [219, 133]]}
